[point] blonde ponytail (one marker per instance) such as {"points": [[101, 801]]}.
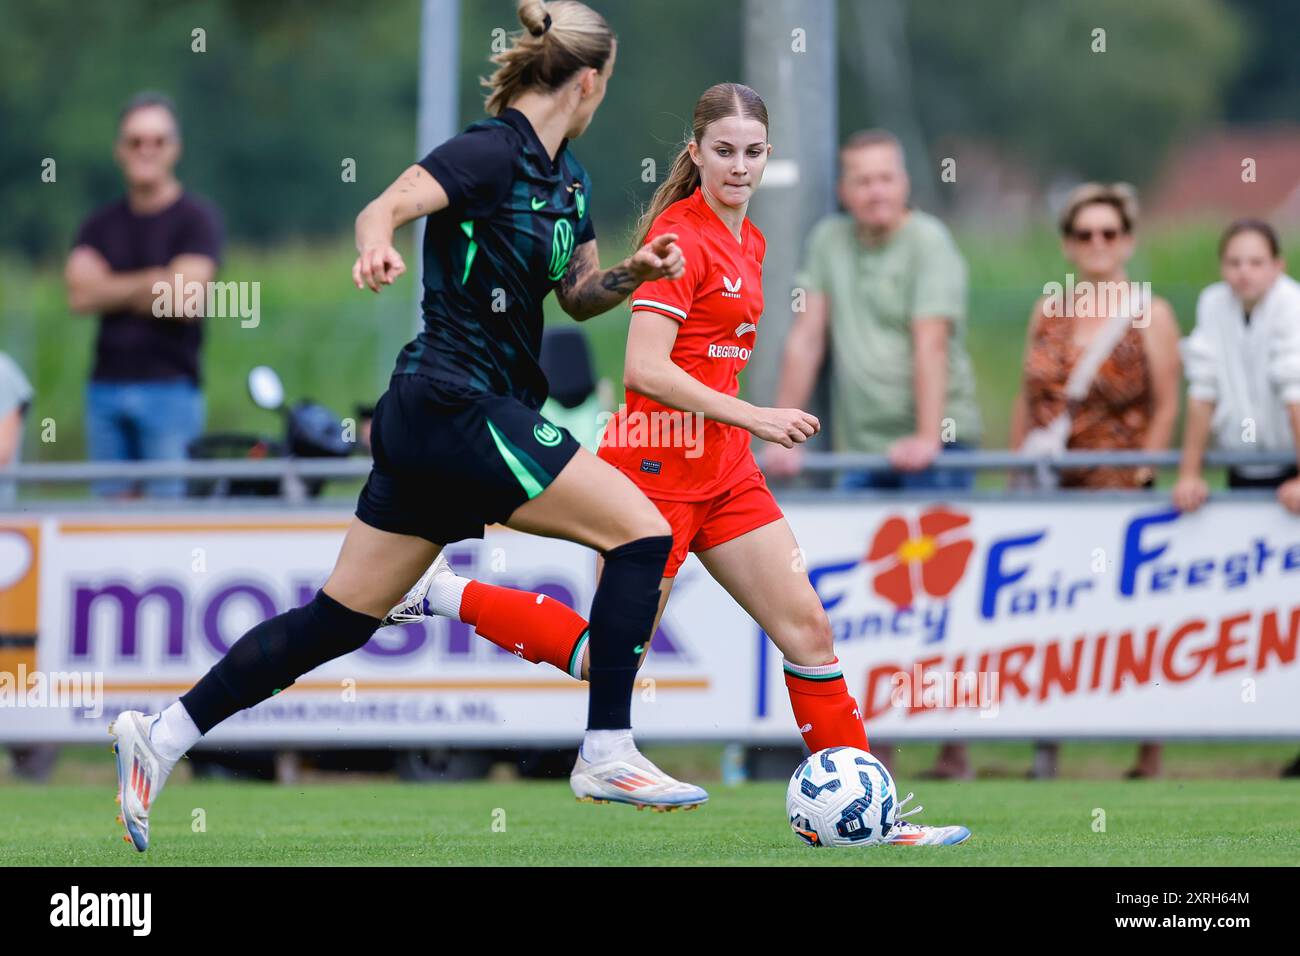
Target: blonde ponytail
{"points": [[559, 39]]}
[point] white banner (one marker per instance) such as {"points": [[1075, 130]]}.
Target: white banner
{"points": [[1055, 619], [977, 619]]}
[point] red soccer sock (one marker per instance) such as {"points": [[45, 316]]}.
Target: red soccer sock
{"points": [[826, 713], [532, 626]]}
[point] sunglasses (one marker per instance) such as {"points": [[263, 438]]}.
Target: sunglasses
{"points": [[137, 142], [1085, 235]]}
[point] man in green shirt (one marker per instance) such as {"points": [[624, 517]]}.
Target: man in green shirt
{"points": [[886, 285]]}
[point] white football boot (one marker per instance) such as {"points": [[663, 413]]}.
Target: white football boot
{"points": [[141, 773], [906, 833], [415, 606], [628, 777]]}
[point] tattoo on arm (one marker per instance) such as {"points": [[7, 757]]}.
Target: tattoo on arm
{"points": [[618, 279], [587, 290], [574, 276], [571, 284]]}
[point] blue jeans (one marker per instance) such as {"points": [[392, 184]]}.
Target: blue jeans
{"points": [[929, 479], [142, 421]]}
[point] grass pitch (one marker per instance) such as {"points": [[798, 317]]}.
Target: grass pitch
{"points": [[376, 822]]}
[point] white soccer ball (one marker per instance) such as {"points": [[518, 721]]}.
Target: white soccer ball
{"points": [[841, 796]]}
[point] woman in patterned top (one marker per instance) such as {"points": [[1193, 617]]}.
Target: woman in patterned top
{"points": [[1132, 400]]}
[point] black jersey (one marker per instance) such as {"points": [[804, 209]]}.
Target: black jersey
{"points": [[504, 242]]}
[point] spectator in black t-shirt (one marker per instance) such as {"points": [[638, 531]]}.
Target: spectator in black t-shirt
{"points": [[143, 401]]}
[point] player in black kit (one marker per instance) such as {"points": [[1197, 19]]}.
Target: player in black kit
{"points": [[457, 439]]}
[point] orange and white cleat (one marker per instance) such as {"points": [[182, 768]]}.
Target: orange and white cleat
{"points": [[630, 778], [141, 773], [906, 833]]}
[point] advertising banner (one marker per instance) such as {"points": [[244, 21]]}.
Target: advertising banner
{"points": [[993, 619]]}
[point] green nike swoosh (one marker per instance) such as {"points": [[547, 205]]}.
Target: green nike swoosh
{"points": [[638, 649], [537, 204]]}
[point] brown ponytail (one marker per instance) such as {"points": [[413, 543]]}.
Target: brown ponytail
{"points": [[559, 39], [717, 102]]}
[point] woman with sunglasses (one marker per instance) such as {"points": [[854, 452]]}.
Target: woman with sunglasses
{"points": [[1131, 399]]}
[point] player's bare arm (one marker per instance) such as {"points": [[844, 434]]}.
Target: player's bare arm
{"points": [[587, 290], [413, 194], [649, 369]]}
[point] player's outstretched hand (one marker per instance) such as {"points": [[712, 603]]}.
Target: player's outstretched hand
{"points": [[660, 258], [377, 266], [784, 426]]}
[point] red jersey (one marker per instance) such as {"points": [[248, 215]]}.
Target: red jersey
{"points": [[718, 302]]}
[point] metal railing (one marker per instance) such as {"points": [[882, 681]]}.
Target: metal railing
{"points": [[293, 473], [1002, 460], [358, 467]]}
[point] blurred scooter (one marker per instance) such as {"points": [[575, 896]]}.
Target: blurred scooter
{"points": [[310, 430]]}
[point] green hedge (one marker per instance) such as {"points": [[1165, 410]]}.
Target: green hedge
{"points": [[337, 345]]}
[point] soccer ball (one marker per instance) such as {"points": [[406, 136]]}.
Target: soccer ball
{"points": [[841, 796]]}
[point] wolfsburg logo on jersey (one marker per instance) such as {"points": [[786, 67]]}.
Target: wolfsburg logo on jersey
{"points": [[561, 249], [732, 290], [547, 434]]}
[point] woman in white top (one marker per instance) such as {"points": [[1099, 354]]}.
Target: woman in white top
{"points": [[1243, 368]]}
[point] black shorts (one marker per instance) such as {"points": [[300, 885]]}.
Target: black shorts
{"points": [[447, 463], [1237, 480]]}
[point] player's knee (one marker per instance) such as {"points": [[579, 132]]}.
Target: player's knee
{"points": [[646, 523], [333, 627], [652, 524]]}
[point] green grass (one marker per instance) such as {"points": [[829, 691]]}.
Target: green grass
{"points": [[1222, 805], [1015, 823]]}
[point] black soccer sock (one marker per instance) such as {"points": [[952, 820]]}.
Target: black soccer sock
{"points": [[622, 617], [273, 655]]}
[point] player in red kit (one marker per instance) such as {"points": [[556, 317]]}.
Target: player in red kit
{"points": [[683, 437]]}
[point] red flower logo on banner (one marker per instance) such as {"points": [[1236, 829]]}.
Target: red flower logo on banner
{"points": [[927, 555]]}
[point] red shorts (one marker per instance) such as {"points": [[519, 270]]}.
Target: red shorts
{"points": [[700, 525]]}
